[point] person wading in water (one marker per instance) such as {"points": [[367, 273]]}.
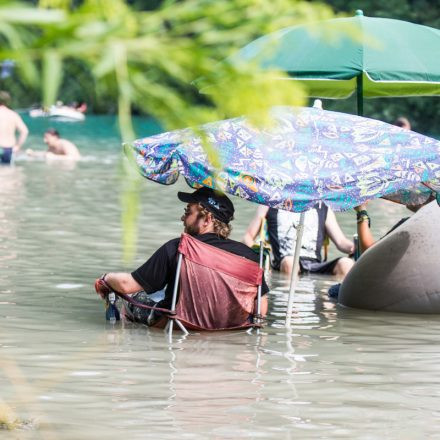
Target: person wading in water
{"points": [[10, 124]]}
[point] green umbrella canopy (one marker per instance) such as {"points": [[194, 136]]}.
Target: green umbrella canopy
{"points": [[379, 56]]}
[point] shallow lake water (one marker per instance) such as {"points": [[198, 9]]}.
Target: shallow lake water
{"points": [[65, 373]]}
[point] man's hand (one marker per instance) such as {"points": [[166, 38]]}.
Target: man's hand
{"points": [[351, 252], [101, 287]]}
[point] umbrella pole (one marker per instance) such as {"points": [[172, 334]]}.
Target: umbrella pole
{"points": [[360, 94], [295, 269]]}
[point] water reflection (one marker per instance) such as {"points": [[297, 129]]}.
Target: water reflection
{"points": [[227, 383]]}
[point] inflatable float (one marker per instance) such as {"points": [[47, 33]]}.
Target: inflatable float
{"points": [[401, 272], [58, 112]]}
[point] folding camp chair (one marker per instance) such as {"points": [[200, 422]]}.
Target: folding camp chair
{"points": [[213, 290], [217, 289], [263, 240]]}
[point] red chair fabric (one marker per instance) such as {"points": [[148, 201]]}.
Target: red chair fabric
{"points": [[217, 288]]}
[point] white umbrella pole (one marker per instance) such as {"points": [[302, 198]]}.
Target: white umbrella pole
{"points": [[295, 268]]}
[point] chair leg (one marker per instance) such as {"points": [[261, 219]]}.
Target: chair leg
{"points": [[182, 327], [167, 326]]}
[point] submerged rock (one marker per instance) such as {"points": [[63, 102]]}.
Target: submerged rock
{"points": [[401, 272]]}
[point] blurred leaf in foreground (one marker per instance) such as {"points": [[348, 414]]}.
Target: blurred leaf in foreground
{"points": [[149, 60]]}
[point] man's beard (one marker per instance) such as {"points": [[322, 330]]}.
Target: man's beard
{"points": [[192, 229]]}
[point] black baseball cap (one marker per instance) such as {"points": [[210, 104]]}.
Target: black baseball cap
{"points": [[214, 201]]}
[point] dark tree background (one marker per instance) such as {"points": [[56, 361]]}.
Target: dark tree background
{"points": [[423, 112]]}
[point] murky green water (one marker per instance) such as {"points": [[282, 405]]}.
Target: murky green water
{"points": [[337, 373]]}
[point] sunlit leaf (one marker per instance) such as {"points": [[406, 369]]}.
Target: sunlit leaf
{"points": [[52, 74]]}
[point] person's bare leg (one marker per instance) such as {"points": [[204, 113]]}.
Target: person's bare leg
{"points": [[264, 305], [342, 267], [287, 265]]}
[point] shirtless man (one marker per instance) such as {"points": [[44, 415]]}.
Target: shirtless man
{"points": [[10, 124], [56, 146]]}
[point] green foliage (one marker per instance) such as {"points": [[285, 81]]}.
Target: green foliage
{"points": [[148, 59]]}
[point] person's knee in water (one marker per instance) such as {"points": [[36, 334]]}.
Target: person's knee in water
{"points": [[282, 228]]}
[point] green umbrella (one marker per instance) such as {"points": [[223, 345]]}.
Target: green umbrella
{"points": [[376, 57]]}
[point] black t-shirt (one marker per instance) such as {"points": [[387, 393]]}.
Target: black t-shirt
{"points": [[160, 269]]}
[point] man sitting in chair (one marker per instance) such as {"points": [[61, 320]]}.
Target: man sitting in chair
{"points": [[319, 222], [207, 217]]}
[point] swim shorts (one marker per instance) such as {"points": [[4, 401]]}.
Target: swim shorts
{"points": [[309, 265], [5, 155]]}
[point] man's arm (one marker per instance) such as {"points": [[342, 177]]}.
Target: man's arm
{"points": [[122, 282], [335, 233], [254, 226], [22, 130], [366, 239], [152, 274]]}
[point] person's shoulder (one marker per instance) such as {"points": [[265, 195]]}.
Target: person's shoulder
{"points": [[15, 114], [239, 248], [69, 147], [213, 239], [262, 210], [7, 112], [169, 248], [234, 242], [173, 243], [67, 143], [228, 245]]}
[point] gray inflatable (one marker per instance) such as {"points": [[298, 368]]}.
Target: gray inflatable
{"points": [[401, 272]]}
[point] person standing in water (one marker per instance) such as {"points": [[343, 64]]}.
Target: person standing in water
{"points": [[10, 124]]}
